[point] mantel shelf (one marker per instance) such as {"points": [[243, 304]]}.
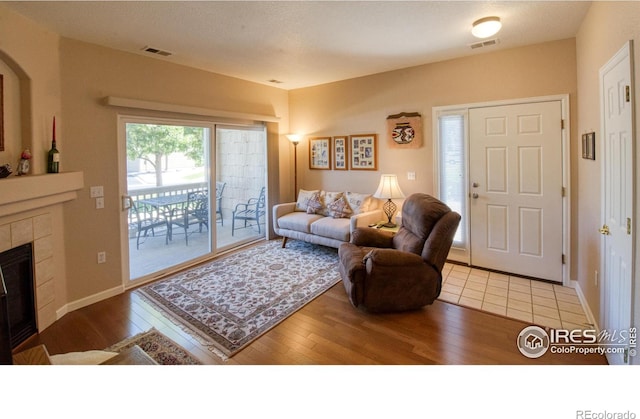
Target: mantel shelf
{"points": [[24, 193]]}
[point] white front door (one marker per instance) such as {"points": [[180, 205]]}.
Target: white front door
{"points": [[617, 196], [515, 175]]}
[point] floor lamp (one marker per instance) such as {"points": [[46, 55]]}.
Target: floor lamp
{"points": [[295, 140]]}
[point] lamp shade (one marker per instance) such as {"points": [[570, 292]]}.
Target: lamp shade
{"points": [[294, 138], [389, 188], [486, 27]]}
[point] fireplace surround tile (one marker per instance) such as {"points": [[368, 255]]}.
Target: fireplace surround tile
{"points": [[44, 271], [5, 237], [21, 232], [45, 294], [43, 248], [42, 226]]}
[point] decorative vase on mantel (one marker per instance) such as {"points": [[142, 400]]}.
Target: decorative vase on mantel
{"points": [[23, 165]]}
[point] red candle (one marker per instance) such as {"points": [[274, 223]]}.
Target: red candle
{"points": [[54, 128]]}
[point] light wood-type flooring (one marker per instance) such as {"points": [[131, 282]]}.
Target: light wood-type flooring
{"points": [[327, 331]]}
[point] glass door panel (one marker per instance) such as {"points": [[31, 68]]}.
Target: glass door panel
{"points": [[240, 176], [168, 198]]}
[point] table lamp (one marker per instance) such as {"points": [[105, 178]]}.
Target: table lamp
{"points": [[389, 189]]}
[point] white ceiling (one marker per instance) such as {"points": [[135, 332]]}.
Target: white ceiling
{"points": [[303, 43]]}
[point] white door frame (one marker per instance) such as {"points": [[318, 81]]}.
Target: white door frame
{"points": [[463, 255], [626, 52]]}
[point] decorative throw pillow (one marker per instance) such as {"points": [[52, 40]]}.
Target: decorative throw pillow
{"points": [[358, 202], [327, 198], [303, 199], [314, 205], [339, 208]]}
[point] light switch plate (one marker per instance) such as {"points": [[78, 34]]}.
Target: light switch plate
{"points": [[97, 191]]}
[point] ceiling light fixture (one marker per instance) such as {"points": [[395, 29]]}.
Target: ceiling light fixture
{"points": [[486, 27]]}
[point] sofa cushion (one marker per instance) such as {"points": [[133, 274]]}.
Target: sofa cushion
{"points": [[327, 198], [339, 208], [315, 204], [298, 221], [334, 228], [358, 202], [303, 199]]}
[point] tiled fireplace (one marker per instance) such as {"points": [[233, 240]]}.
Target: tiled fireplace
{"points": [[37, 230], [31, 211]]}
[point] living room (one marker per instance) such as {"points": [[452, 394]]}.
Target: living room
{"points": [[69, 79]]}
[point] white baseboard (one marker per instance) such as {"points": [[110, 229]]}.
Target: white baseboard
{"points": [[83, 302], [585, 306]]}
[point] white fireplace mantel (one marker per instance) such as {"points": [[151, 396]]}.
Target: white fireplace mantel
{"points": [[24, 193]]}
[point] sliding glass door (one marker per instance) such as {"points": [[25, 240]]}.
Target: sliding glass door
{"points": [[190, 191]]}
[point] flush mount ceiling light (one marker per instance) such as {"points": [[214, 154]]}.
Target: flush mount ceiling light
{"points": [[486, 27]]}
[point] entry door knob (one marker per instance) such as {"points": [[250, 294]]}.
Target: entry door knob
{"points": [[604, 230], [474, 195]]}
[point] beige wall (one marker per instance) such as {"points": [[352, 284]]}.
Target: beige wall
{"points": [[362, 106], [89, 74], [32, 54], [605, 29]]}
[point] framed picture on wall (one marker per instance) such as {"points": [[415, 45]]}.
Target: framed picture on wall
{"points": [[364, 152], [340, 152], [320, 153]]}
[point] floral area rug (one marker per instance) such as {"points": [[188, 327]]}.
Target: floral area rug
{"points": [[229, 302], [159, 347]]}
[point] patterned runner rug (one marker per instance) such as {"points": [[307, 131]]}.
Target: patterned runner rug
{"points": [[159, 347], [229, 302]]}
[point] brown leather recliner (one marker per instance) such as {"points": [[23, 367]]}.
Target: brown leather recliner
{"points": [[383, 273]]}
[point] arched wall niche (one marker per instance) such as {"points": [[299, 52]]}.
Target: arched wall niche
{"points": [[17, 111]]}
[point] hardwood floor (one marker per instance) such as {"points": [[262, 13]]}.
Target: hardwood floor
{"points": [[327, 331]]}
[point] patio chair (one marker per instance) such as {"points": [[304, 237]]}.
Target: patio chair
{"points": [[194, 212], [219, 189], [252, 210], [144, 218]]}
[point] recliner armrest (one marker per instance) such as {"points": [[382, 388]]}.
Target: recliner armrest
{"points": [[370, 237], [392, 258]]}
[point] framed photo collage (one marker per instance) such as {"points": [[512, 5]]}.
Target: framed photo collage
{"points": [[344, 152]]}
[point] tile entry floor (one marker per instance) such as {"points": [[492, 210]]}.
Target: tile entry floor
{"points": [[532, 301]]}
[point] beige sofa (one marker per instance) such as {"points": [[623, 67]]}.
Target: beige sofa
{"points": [[326, 218]]}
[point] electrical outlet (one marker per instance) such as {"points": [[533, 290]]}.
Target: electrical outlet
{"points": [[102, 257], [411, 175], [97, 191], [99, 203]]}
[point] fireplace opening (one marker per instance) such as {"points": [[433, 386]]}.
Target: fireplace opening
{"points": [[17, 270]]}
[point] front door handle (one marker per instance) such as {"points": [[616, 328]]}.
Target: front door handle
{"points": [[474, 195], [604, 230]]}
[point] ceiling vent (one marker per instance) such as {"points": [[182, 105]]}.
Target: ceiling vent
{"points": [[156, 51], [487, 43]]}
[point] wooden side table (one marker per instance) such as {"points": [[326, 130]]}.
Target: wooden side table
{"points": [[391, 230]]}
